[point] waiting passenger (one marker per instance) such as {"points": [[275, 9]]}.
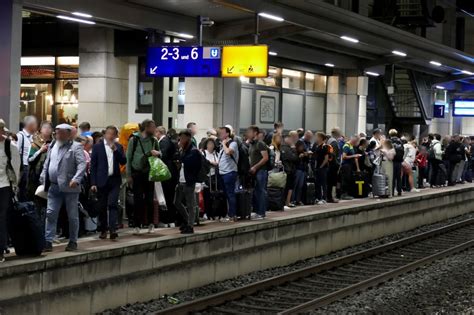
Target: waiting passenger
{"points": [[25, 139], [350, 163], [228, 169]]}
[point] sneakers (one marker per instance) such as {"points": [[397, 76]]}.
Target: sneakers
{"points": [[415, 190], [256, 216], [2, 258], [171, 225], [226, 219], [48, 247], [137, 231], [188, 230], [71, 247], [291, 205], [151, 228], [321, 202], [204, 217], [346, 197], [300, 204], [286, 208]]}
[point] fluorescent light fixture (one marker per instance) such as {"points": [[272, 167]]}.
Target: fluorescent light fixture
{"points": [[68, 61], [63, 17], [330, 65], [350, 39], [309, 76], [467, 72], [272, 53], [374, 74], [80, 14], [399, 53], [37, 61], [439, 87], [271, 17], [435, 63], [291, 73], [273, 71], [184, 35]]}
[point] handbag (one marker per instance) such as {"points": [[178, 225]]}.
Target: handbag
{"points": [[159, 194], [159, 172], [277, 179]]}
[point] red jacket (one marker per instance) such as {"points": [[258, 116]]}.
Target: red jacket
{"points": [[421, 160]]}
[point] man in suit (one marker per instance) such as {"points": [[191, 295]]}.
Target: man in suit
{"points": [[107, 156], [62, 175], [168, 153]]}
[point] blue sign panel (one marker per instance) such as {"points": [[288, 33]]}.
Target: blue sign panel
{"points": [[438, 111], [178, 61]]}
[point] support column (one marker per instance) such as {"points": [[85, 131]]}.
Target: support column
{"points": [[356, 105], [232, 88], [103, 79], [335, 104], [10, 62]]}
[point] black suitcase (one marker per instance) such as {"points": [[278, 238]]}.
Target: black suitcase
{"points": [[275, 199], [217, 200], [310, 193], [244, 203], [26, 230]]}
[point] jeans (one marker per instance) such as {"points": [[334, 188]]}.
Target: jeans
{"points": [[260, 192], [5, 208], [143, 191], [23, 184], [185, 202], [56, 199], [300, 176], [320, 183], [229, 180], [397, 177], [108, 199]]}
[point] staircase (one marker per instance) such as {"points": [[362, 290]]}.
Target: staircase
{"points": [[404, 101]]}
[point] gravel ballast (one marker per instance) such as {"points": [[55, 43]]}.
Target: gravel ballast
{"points": [[188, 295], [443, 287]]}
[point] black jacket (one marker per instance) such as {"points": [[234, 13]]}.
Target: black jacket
{"points": [[100, 165], [289, 158], [191, 162], [169, 154]]}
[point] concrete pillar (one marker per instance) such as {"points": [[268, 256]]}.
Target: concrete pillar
{"points": [[103, 79], [10, 62], [335, 104], [232, 88]]}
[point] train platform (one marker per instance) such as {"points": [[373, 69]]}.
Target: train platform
{"points": [[150, 265]]}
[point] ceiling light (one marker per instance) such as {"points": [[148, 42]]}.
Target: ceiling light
{"points": [[37, 61], [374, 74], [68, 61], [435, 63], [84, 15], [399, 53], [467, 72], [63, 17], [272, 53], [350, 39], [439, 87], [330, 65], [271, 17], [184, 35]]}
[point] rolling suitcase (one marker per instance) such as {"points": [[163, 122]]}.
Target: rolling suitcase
{"points": [[275, 199], [360, 188], [26, 230], [379, 184], [310, 193], [244, 203]]}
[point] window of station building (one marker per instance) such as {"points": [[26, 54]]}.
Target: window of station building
{"points": [[145, 89], [272, 79], [315, 82], [291, 79]]}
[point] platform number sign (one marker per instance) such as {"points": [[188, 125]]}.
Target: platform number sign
{"points": [[183, 61], [438, 111]]}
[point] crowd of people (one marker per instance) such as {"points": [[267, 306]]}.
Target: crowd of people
{"points": [[222, 177]]}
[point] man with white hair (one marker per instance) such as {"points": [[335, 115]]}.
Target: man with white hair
{"points": [[62, 175], [25, 138]]}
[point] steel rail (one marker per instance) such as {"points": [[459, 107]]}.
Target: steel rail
{"points": [[237, 293]]}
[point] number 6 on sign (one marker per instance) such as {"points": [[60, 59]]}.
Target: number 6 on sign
{"points": [[194, 53]]}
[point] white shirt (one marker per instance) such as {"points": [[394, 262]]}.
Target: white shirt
{"points": [[182, 179], [110, 158], [211, 157], [4, 181], [24, 145]]}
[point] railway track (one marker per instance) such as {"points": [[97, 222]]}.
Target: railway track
{"points": [[315, 286]]}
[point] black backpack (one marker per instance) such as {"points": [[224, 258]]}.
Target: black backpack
{"points": [[204, 170], [243, 165], [399, 150]]}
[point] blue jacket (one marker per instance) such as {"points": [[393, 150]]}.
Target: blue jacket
{"points": [[100, 165], [191, 162]]}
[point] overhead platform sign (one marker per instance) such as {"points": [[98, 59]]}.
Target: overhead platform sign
{"points": [[181, 61], [248, 61]]}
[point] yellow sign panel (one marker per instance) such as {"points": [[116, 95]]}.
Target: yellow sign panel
{"points": [[248, 61]]}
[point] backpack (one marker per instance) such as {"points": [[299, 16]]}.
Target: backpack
{"points": [[11, 175], [431, 152], [204, 170], [144, 164], [243, 165], [399, 150]]}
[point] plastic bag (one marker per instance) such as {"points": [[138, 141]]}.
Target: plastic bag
{"points": [[159, 172]]}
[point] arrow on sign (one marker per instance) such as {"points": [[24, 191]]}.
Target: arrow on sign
{"points": [[153, 70], [229, 70]]}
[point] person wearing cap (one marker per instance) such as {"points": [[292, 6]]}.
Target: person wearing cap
{"points": [[185, 198], [9, 162], [25, 139], [62, 176]]}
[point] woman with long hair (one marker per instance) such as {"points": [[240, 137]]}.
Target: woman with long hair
{"points": [[387, 153]]}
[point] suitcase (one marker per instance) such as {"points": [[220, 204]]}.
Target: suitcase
{"points": [[310, 193], [26, 230], [244, 203], [360, 189], [275, 198], [379, 184], [217, 200]]}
